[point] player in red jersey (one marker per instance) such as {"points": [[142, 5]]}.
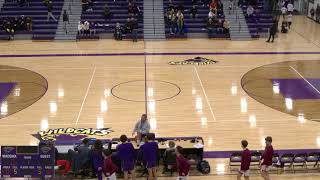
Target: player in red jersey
{"points": [[245, 161], [266, 159]]}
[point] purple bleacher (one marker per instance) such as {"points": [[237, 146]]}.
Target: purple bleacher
{"points": [[260, 22], [197, 25], [119, 10], [41, 29]]}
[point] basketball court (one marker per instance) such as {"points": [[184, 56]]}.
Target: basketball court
{"points": [[256, 89]]}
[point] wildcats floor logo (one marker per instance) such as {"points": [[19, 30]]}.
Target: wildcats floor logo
{"points": [[52, 134], [194, 61]]}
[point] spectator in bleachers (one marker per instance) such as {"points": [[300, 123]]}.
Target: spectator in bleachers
{"points": [[93, 29], [194, 11], [183, 164], [212, 14], [80, 28], [118, 32], [86, 28], [245, 161], [28, 24], [9, 28], [210, 25], [220, 29], [220, 8], [50, 9], [87, 5], [250, 11], [180, 22], [290, 8], [97, 158], [226, 26], [172, 23], [46, 2], [79, 156], [133, 9], [266, 159], [169, 157], [106, 11], [65, 18], [150, 156], [126, 153], [283, 11], [109, 168], [213, 4]]}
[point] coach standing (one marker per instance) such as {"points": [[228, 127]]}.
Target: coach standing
{"points": [[142, 128]]}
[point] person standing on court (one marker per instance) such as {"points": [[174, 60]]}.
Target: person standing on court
{"points": [[142, 128], [273, 30], [127, 156], [266, 159], [245, 161], [150, 156], [50, 9]]}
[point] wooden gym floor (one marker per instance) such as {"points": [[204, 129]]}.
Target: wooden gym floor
{"points": [[76, 79]]}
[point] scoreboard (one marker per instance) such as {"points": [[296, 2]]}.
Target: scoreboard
{"points": [[27, 161]]}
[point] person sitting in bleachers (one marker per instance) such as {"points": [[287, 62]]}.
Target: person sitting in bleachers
{"points": [[213, 4], [219, 8], [106, 11], [226, 26], [212, 14], [118, 32], [220, 29], [9, 28], [28, 24], [93, 29], [172, 23], [210, 25], [133, 9], [86, 5], [250, 11], [80, 28], [180, 22], [86, 28], [194, 11]]}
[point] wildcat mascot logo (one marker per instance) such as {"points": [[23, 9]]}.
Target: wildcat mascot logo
{"points": [[194, 61], [53, 134]]}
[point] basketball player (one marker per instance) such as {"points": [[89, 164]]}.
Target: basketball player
{"points": [[126, 154], [245, 161], [150, 156], [266, 159]]}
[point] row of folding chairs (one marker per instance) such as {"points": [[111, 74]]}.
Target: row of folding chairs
{"points": [[287, 161]]}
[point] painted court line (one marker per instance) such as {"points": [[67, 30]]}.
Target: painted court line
{"points": [[154, 54], [85, 97], [205, 94], [305, 79]]}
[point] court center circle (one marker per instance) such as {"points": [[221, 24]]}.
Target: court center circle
{"points": [[135, 91]]}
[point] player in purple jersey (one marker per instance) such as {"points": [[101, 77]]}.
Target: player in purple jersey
{"points": [[126, 154], [150, 156]]}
